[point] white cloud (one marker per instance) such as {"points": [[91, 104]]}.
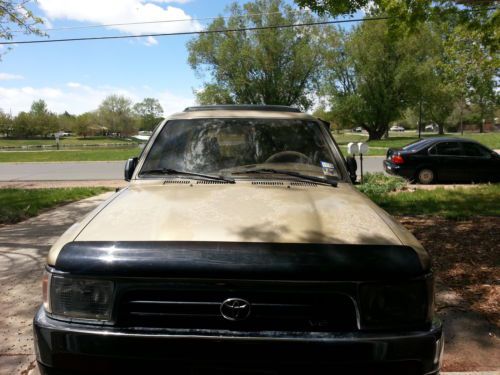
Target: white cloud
{"points": [[9, 77], [171, 1], [122, 11], [150, 41], [78, 98]]}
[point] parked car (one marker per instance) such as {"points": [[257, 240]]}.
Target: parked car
{"points": [[359, 129], [239, 246], [443, 159], [431, 128], [397, 128]]}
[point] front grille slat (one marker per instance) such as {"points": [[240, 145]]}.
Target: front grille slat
{"points": [[199, 309]]}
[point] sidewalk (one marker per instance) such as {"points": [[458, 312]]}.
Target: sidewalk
{"points": [[23, 249]]}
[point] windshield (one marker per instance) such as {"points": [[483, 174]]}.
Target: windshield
{"points": [[222, 146]]}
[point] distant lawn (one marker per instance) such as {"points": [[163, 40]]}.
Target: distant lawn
{"points": [[108, 154], [5, 142], [460, 203], [491, 140], [20, 204]]}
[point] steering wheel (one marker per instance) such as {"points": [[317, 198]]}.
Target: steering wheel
{"points": [[289, 157]]}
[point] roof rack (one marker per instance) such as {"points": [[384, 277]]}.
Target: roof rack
{"points": [[242, 107]]}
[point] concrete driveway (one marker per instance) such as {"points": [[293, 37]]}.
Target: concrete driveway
{"points": [[23, 249]]}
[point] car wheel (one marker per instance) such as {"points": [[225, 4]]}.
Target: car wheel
{"points": [[426, 176]]}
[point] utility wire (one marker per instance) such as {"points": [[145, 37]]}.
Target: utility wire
{"points": [[154, 22], [202, 32]]}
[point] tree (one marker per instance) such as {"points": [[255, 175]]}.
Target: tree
{"points": [[474, 15], [5, 124], [84, 123], [115, 113], [22, 127], [472, 68], [367, 79], [15, 15], [43, 122], [259, 67], [149, 112], [66, 121]]}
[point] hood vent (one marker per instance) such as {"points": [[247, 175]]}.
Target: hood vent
{"points": [[310, 184], [211, 182], [175, 181], [268, 183]]}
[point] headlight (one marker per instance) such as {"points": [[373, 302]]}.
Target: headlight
{"points": [[81, 298], [396, 305]]}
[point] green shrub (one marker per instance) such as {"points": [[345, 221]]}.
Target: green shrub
{"points": [[376, 184]]}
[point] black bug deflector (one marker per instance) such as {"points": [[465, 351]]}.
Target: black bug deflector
{"points": [[248, 260]]}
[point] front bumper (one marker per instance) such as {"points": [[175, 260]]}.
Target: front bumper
{"points": [[72, 348]]}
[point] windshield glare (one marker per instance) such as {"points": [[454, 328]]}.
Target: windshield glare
{"points": [[222, 146]]}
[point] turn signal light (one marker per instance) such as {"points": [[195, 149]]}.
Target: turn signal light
{"points": [[46, 290], [397, 159]]}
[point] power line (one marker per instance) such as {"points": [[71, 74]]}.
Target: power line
{"points": [[156, 22], [202, 32]]}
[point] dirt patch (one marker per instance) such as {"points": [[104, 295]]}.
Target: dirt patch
{"points": [[466, 260], [466, 257], [413, 187]]}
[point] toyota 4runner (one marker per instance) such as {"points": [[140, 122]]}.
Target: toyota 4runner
{"points": [[240, 246]]}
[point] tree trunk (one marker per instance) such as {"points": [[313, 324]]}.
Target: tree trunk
{"points": [[441, 129], [375, 134]]}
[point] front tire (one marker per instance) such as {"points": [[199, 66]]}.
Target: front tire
{"points": [[426, 176]]}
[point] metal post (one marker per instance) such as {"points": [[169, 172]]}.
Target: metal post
{"points": [[361, 160], [420, 120]]}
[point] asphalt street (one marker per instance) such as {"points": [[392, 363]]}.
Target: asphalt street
{"points": [[101, 170], [64, 171]]}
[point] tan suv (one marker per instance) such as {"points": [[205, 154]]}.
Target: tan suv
{"points": [[240, 246]]}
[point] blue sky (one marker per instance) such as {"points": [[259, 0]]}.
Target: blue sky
{"points": [[77, 76]]}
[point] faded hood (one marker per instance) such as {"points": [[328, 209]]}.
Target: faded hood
{"points": [[279, 212]]}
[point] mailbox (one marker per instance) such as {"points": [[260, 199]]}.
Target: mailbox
{"points": [[362, 148], [352, 148]]}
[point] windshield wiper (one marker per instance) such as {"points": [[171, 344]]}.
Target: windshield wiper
{"points": [[289, 173], [170, 171]]}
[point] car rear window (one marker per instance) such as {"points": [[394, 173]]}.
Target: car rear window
{"points": [[473, 149], [449, 148]]}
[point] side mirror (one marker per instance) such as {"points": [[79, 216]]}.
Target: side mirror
{"points": [[130, 168], [352, 167]]}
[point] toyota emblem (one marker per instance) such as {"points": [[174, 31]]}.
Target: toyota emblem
{"points": [[235, 309]]}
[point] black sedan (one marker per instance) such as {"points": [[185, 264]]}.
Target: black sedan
{"points": [[444, 159]]}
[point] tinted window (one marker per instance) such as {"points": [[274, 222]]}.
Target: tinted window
{"points": [[449, 148], [473, 149], [419, 144], [212, 145]]}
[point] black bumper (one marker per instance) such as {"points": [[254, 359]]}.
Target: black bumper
{"points": [[69, 348], [398, 170]]}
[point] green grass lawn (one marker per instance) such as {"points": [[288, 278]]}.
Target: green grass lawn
{"points": [[73, 141], [491, 140], [20, 204], [460, 203], [105, 154]]}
